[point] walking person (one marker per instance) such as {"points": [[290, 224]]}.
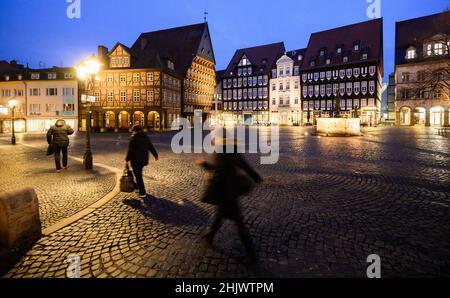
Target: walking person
{"points": [[230, 180], [58, 136], [137, 156]]}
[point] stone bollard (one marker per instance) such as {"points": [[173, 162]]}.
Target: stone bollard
{"points": [[19, 217]]}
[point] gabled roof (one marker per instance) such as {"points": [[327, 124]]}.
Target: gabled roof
{"points": [[127, 49], [179, 44], [368, 34], [414, 32], [264, 57]]}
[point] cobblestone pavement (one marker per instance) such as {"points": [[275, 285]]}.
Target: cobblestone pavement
{"points": [[60, 194], [326, 206]]}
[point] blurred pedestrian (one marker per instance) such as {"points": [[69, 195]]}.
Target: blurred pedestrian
{"points": [[138, 157], [230, 180], [58, 137]]}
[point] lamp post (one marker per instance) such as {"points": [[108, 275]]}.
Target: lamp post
{"points": [[88, 70], [12, 104]]}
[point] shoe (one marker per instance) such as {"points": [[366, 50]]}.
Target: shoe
{"points": [[65, 168], [58, 171], [142, 196]]}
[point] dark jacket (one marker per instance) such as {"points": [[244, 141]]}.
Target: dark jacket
{"points": [[229, 181], [138, 149], [58, 134]]}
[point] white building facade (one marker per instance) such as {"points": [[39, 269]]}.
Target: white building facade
{"points": [[44, 96], [285, 100]]}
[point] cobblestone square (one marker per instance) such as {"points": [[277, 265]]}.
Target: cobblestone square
{"points": [[321, 211]]}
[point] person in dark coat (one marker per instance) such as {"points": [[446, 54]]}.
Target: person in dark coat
{"points": [[138, 157], [231, 179], [58, 136]]}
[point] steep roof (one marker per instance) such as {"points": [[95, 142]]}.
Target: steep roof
{"points": [[368, 34], [415, 32], [263, 57], [179, 44]]}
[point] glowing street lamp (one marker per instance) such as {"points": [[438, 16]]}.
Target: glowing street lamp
{"points": [[88, 70], [13, 104]]}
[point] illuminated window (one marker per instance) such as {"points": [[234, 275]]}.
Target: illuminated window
{"points": [[123, 77], [136, 77], [110, 96], [136, 96], [411, 54]]}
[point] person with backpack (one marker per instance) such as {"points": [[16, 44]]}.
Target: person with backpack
{"points": [[139, 146], [58, 137]]}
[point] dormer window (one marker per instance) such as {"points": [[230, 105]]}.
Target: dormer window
{"points": [[19, 77], [170, 64], [300, 57], [52, 76], [328, 61], [6, 78], [411, 53], [356, 47], [364, 56], [322, 53], [35, 76], [339, 50], [345, 59], [312, 63]]}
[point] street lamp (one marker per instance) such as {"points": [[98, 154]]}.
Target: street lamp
{"points": [[88, 70], [13, 104]]}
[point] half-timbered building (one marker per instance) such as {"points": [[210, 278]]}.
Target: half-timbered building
{"points": [[163, 76], [245, 84], [344, 66]]}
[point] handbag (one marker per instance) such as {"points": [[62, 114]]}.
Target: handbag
{"points": [[50, 149], [127, 181]]}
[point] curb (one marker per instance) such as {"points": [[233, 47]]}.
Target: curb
{"points": [[82, 213]]}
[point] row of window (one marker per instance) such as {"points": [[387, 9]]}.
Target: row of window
{"points": [[348, 104], [285, 86], [284, 101], [252, 105], [35, 108], [120, 61], [286, 71], [341, 73], [251, 93], [37, 76], [343, 88], [413, 94], [246, 81], [431, 49], [6, 93], [421, 76], [136, 77]]}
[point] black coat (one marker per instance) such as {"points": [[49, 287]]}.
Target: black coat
{"points": [[230, 175], [58, 134], [138, 149]]}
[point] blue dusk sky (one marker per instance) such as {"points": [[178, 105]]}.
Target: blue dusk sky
{"points": [[40, 33]]}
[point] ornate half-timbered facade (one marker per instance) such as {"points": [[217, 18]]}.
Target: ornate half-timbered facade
{"points": [[165, 75], [131, 90], [343, 71], [190, 48], [285, 101], [245, 84]]}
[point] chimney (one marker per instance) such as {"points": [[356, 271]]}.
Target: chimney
{"points": [[13, 62], [103, 54]]}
